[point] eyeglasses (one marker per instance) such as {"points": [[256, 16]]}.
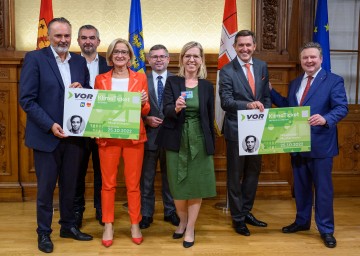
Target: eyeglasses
{"points": [[120, 52], [161, 57], [91, 38], [189, 56]]}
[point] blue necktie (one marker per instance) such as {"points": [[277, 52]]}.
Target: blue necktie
{"points": [[160, 90]]}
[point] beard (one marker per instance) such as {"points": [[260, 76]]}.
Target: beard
{"points": [[64, 48], [88, 49]]}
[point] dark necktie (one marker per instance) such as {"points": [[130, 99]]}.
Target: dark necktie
{"points": [[250, 78], [160, 90], [307, 87]]}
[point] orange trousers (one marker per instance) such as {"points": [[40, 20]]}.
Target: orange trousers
{"points": [[109, 161]]}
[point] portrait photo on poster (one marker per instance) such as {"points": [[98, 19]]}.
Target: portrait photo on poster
{"points": [[75, 124], [250, 144]]}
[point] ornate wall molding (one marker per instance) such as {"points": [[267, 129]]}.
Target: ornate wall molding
{"points": [[269, 29], [7, 28], [4, 73], [2, 24]]}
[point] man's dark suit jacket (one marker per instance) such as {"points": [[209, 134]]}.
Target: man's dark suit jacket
{"points": [[42, 95], [155, 110], [235, 92], [326, 97], [169, 135], [103, 67]]}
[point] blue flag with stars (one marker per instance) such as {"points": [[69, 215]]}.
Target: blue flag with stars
{"points": [[321, 32], [136, 38]]}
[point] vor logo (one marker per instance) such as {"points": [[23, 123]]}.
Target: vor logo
{"points": [[252, 117], [81, 96]]}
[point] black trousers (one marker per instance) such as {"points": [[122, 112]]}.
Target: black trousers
{"points": [[62, 166], [242, 180], [151, 158], [91, 148]]}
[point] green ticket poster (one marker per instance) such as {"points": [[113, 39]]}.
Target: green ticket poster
{"points": [[102, 114], [276, 130]]}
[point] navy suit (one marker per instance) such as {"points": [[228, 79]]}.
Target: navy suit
{"points": [[42, 98], [242, 171], [91, 147], [152, 154], [326, 97]]}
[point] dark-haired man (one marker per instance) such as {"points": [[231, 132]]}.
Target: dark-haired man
{"points": [[75, 122], [158, 59], [243, 84], [250, 142], [89, 40]]}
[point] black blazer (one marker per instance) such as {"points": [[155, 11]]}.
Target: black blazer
{"points": [[103, 67], [169, 135]]}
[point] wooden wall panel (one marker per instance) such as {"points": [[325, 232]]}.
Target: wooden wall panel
{"points": [[17, 175], [9, 172], [280, 27]]}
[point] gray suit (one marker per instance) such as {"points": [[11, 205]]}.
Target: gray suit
{"points": [[242, 171], [151, 156]]}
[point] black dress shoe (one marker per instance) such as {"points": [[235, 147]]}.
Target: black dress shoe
{"points": [[75, 233], [145, 222], [251, 220], [187, 244], [45, 244], [329, 240], [241, 228], [173, 219], [78, 219], [98, 216], [178, 235], [292, 228]]}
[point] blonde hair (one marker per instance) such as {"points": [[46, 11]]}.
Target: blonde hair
{"points": [[110, 50], [202, 73]]}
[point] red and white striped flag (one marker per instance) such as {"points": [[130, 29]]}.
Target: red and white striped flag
{"points": [[226, 54], [46, 15]]}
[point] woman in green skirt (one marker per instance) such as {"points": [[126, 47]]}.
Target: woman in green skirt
{"points": [[188, 136]]}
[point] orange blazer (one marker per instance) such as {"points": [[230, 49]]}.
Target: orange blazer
{"points": [[137, 83]]}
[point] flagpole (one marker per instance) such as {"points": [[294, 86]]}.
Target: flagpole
{"points": [[226, 54]]}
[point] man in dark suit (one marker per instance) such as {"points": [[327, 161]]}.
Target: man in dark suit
{"points": [[44, 76], [158, 59], [324, 92], [243, 84], [89, 40]]}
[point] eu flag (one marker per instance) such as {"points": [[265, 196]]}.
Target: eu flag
{"points": [[321, 32], [136, 38]]}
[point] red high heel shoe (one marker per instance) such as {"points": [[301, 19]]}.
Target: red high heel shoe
{"points": [[107, 243], [138, 240]]}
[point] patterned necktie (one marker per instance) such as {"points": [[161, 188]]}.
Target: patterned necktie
{"points": [[160, 90], [307, 87], [250, 78]]}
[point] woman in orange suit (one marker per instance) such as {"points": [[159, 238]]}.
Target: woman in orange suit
{"points": [[121, 78]]}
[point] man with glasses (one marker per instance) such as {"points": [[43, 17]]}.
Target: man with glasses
{"points": [[89, 40], [158, 59]]}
